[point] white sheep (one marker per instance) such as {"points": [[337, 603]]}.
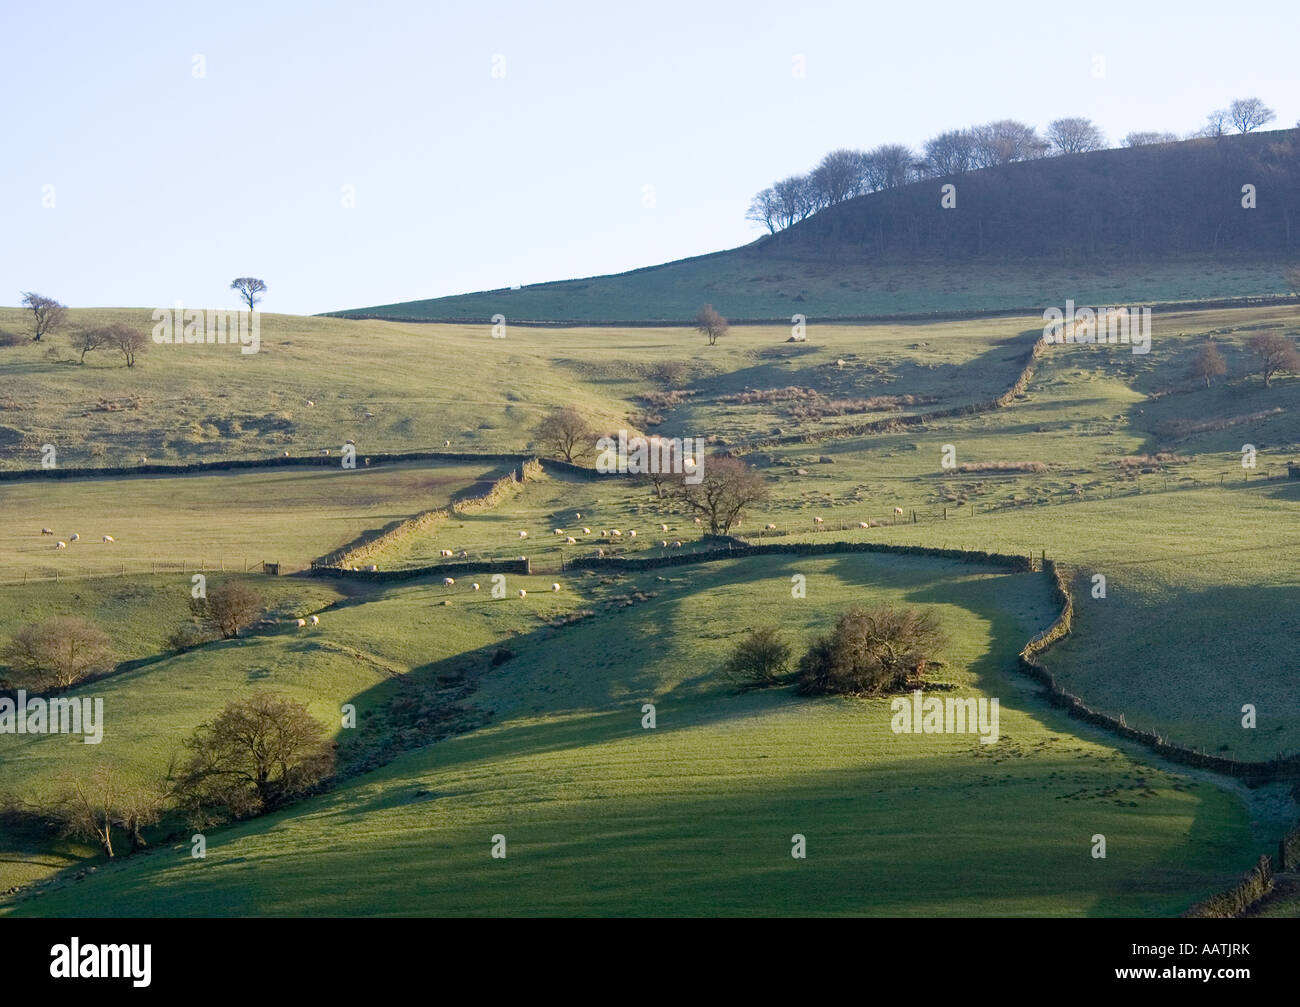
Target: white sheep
{"points": [[474, 586], [286, 454], [143, 460], [523, 534], [663, 544], [310, 402], [301, 623], [109, 538], [677, 544], [446, 444], [839, 363], [863, 524], [559, 531], [314, 620], [616, 533], [578, 516], [448, 581], [898, 510], [555, 587], [523, 593], [324, 451], [663, 527], [600, 552], [585, 531], [444, 552], [699, 521], [60, 545], [372, 568], [818, 520], [75, 537], [570, 541], [604, 533], [770, 526], [464, 552], [47, 531], [632, 533]]}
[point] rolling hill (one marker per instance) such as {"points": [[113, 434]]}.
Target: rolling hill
{"points": [[1161, 223]]}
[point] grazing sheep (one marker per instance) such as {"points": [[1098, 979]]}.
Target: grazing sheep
{"points": [[324, 451], [616, 533], [663, 527], [863, 524], [144, 460], [372, 568], [60, 545], [663, 543], [632, 534], [75, 537], [310, 402], [559, 531], [109, 538], [604, 533], [839, 363], [444, 552], [555, 587], [677, 544], [350, 441], [898, 510], [600, 552], [770, 526], [464, 552], [586, 531], [314, 620], [578, 515], [474, 586], [570, 541], [286, 454], [446, 444], [699, 521], [818, 520], [47, 531], [301, 623], [523, 534], [448, 581], [523, 593]]}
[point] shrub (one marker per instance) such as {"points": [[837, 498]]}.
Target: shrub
{"points": [[58, 652], [870, 651], [230, 607], [761, 659]]}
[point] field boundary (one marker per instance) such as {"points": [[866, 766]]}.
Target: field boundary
{"points": [[1254, 885], [368, 544]]}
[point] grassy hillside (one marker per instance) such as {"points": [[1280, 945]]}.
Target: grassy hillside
{"points": [[696, 816], [1162, 223]]}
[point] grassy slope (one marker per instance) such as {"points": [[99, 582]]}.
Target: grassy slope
{"points": [[696, 817], [745, 284]]}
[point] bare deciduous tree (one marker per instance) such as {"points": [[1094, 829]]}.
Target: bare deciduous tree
{"points": [[47, 313], [58, 652], [709, 323], [950, 153], [1006, 141], [726, 488], [230, 607], [1208, 364], [1075, 135], [128, 341], [93, 805], [254, 756], [1216, 123], [1250, 113], [85, 340], [1276, 353], [250, 289], [566, 433]]}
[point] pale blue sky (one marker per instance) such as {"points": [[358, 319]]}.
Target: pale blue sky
{"points": [[167, 185]]}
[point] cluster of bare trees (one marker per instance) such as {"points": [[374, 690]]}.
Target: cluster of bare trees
{"points": [[845, 173], [1274, 353]]}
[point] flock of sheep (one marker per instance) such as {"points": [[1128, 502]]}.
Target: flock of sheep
{"points": [[74, 537]]}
